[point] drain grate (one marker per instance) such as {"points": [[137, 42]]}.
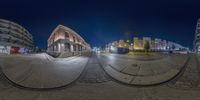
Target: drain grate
{"points": [[135, 65]]}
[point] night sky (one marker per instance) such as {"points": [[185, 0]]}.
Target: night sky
{"points": [[100, 22]]}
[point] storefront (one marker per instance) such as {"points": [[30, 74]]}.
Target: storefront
{"points": [[5, 49], [13, 50]]}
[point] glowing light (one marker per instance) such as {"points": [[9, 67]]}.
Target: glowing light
{"points": [[112, 48]]}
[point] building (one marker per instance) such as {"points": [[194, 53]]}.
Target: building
{"points": [[65, 40], [137, 44], [114, 44], [176, 46], [122, 44], [163, 45], [14, 38], [118, 47], [155, 44], [197, 37]]}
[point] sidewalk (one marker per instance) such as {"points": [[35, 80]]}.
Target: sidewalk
{"points": [[136, 72]]}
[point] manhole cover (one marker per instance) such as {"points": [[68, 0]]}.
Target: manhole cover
{"points": [[134, 65]]}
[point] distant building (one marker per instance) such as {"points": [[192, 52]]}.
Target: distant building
{"points": [[128, 44], [118, 47], [65, 40], [115, 44], [131, 47], [176, 45], [137, 44], [197, 37], [122, 44], [163, 45], [155, 44], [14, 38]]}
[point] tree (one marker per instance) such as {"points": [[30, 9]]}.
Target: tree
{"points": [[146, 46], [173, 47]]}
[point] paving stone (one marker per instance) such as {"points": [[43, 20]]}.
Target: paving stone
{"points": [[119, 76], [143, 72]]}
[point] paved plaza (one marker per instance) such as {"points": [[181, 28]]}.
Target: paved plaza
{"points": [[145, 69], [93, 82], [41, 71]]}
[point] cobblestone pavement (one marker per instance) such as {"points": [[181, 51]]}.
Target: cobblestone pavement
{"points": [[142, 56], [4, 83], [190, 78], [93, 72]]}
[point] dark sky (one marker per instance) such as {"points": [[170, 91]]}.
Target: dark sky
{"points": [[100, 22]]}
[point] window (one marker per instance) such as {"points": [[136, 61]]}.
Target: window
{"points": [[74, 39], [4, 39], [198, 31], [78, 40], [66, 35], [8, 32], [9, 39]]}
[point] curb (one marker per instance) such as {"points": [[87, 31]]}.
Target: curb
{"points": [[159, 83]]}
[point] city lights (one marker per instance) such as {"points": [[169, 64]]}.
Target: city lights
{"points": [[100, 50]]}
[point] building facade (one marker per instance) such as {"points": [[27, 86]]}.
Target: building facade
{"points": [[65, 40], [122, 44], [138, 44], [14, 38], [176, 46], [197, 37]]}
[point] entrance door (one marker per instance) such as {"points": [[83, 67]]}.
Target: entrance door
{"points": [[67, 47]]}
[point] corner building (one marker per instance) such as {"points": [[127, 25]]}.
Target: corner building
{"points": [[14, 38], [65, 40]]}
